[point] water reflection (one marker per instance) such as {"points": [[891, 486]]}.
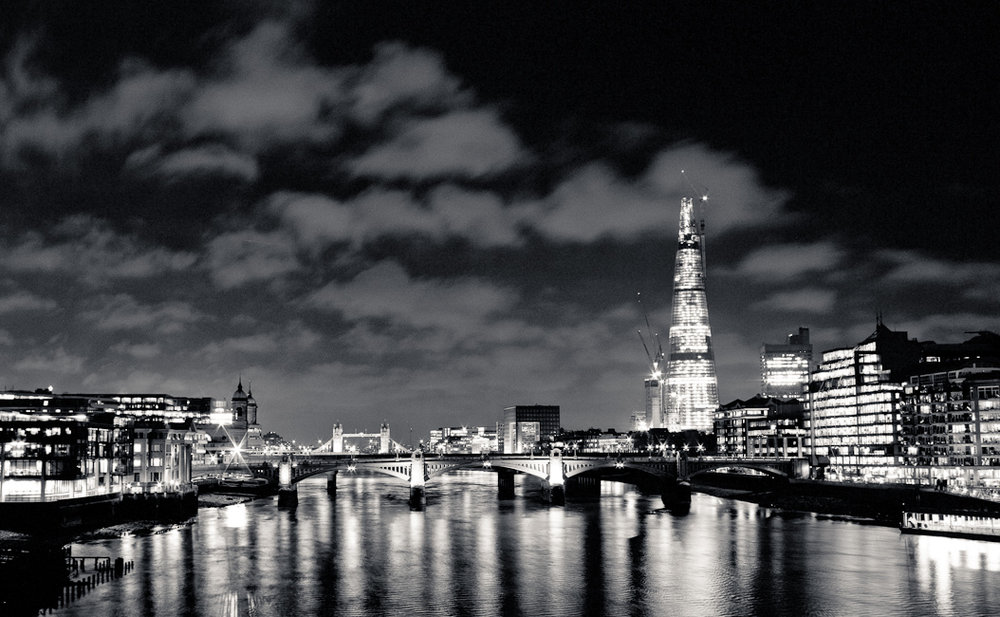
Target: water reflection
{"points": [[365, 553]]}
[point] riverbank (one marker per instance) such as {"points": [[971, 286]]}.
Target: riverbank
{"points": [[152, 526], [881, 504]]}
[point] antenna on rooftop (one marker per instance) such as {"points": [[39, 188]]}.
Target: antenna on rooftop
{"points": [[702, 194]]}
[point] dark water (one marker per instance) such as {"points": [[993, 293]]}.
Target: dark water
{"points": [[366, 553]]}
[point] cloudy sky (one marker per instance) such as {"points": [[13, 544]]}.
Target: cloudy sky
{"points": [[422, 214]]}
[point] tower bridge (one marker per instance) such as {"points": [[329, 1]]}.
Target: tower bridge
{"points": [[580, 472]]}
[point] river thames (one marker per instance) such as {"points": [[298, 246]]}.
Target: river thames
{"points": [[365, 553]]}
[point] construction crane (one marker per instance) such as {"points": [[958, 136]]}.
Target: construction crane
{"points": [[655, 359], [703, 199]]}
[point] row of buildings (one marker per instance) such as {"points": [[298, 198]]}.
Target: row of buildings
{"points": [[888, 409], [56, 447], [523, 429]]}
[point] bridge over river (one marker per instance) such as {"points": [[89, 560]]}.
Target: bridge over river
{"points": [[580, 472]]}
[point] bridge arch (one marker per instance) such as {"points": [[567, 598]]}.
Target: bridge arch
{"points": [[768, 470]]}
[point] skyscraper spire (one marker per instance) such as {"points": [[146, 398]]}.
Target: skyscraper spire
{"points": [[692, 386]]}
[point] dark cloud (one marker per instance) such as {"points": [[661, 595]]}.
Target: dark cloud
{"points": [[389, 223]]}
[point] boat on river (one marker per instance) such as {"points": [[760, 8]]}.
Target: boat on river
{"points": [[957, 525], [242, 482]]}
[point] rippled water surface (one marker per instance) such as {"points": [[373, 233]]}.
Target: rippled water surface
{"points": [[365, 553]]}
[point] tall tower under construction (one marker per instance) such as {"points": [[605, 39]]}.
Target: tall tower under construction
{"points": [[692, 389]]}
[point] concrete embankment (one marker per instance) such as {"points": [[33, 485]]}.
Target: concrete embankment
{"points": [[882, 503], [70, 515]]}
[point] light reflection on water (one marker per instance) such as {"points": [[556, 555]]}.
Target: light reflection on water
{"points": [[365, 553]]}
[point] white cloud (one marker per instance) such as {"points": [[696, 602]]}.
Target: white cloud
{"points": [[123, 312], [291, 338], [25, 301], [267, 90], [51, 362], [464, 143], [737, 197], [316, 220], [915, 267], [209, 160], [135, 105], [400, 76], [386, 291], [595, 203], [479, 217], [237, 258], [789, 262], [139, 351], [806, 300], [90, 250]]}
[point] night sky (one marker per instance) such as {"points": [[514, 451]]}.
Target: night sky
{"points": [[421, 214]]}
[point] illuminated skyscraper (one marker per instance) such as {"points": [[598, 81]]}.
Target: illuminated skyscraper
{"points": [[692, 387], [784, 369]]}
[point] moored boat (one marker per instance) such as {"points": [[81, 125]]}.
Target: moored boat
{"points": [[957, 525], [243, 482]]}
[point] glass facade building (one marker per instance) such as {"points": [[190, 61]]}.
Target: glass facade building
{"points": [[692, 390], [784, 368], [852, 412]]}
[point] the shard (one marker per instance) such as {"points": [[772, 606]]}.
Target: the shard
{"points": [[692, 388]]}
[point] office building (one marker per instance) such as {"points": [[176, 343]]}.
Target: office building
{"points": [[784, 368], [692, 391], [529, 426], [761, 427], [853, 404]]}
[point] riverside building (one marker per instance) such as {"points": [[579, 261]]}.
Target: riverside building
{"points": [[892, 409], [761, 427], [56, 447], [853, 405], [61, 448], [950, 429]]}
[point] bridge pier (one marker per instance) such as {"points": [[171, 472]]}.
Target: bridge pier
{"points": [[505, 483], [676, 494], [553, 486], [331, 484], [288, 494], [553, 494], [418, 498]]}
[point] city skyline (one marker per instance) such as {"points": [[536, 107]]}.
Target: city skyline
{"points": [[422, 215]]}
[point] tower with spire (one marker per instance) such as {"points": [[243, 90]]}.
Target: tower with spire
{"points": [[244, 408], [692, 389], [239, 403]]}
